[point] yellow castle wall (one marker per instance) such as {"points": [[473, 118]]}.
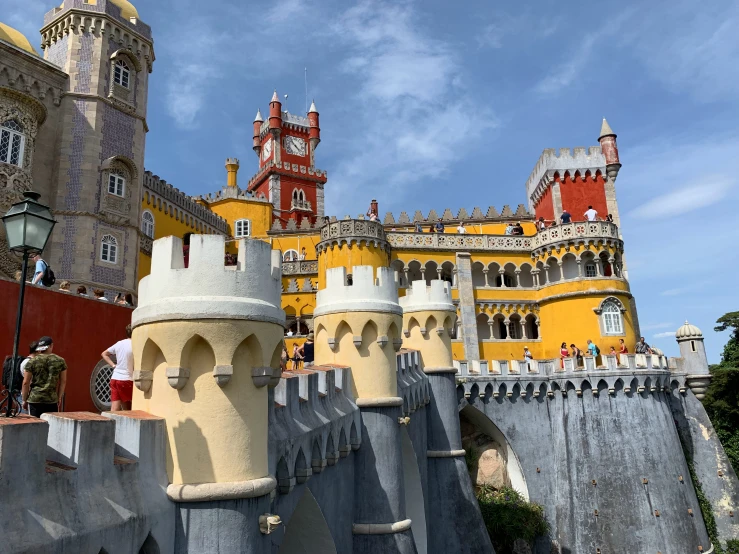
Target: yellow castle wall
{"points": [[349, 256]]}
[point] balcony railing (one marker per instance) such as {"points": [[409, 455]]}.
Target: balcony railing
{"points": [[569, 232], [302, 267]]}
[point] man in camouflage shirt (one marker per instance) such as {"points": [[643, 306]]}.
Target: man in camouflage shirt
{"points": [[45, 380]]}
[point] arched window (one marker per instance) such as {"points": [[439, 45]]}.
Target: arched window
{"points": [[121, 75], [612, 318], [242, 228], [12, 142], [290, 256], [109, 249], [147, 224], [116, 183]]}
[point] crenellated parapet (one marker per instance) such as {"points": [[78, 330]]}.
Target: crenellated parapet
{"points": [[413, 384], [447, 216], [314, 423], [352, 231]]}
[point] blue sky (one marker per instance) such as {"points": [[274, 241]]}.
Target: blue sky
{"points": [[441, 104]]}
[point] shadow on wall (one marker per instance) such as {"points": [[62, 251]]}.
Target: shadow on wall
{"points": [[307, 531], [504, 468]]}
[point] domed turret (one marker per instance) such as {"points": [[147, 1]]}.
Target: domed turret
{"points": [[128, 10], [16, 38], [687, 332]]}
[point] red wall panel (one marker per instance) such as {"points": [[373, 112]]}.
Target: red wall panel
{"points": [[545, 207], [579, 193], [81, 328]]}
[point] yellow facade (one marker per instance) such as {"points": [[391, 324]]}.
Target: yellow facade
{"points": [[350, 255]]}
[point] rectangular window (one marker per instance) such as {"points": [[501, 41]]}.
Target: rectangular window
{"points": [[692, 345], [109, 253], [116, 184], [612, 323], [590, 270], [242, 228]]}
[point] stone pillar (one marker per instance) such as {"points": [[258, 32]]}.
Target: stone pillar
{"points": [[546, 274], [423, 273], [380, 521], [456, 521], [535, 275], [200, 338], [501, 272], [485, 272], [599, 266], [405, 276], [438, 274], [467, 307], [454, 277], [491, 322], [579, 268], [517, 279], [507, 323]]}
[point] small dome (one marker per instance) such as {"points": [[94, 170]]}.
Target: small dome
{"points": [[16, 38], [688, 331], [128, 10]]}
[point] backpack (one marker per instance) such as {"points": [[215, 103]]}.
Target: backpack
{"points": [[48, 278], [8, 367], [597, 350]]}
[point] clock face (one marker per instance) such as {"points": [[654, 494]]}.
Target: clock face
{"points": [[295, 146], [267, 149]]}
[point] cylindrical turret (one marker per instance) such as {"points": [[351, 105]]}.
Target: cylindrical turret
{"points": [[257, 141], [315, 131], [206, 342], [275, 112], [351, 242], [608, 146], [694, 360], [232, 170]]}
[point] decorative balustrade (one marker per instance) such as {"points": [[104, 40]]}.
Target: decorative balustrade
{"points": [[304, 205], [581, 231], [352, 230], [302, 267]]}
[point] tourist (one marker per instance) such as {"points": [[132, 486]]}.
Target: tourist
{"points": [[642, 347], [460, 229], [296, 357], [186, 248], [82, 290], [518, 229], [509, 229], [565, 217], [121, 382], [612, 351], [439, 226], [591, 214], [31, 354], [577, 354], [432, 228], [418, 228], [18, 276], [541, 224], [45, 380], [622, 347], [100, 295], [119, 299], [40, 269], [609, 218], [64, 286], [593, 350], [303, 253], [528, 357], [129, 299], [284, 357], [564, 353], [307, 351]]}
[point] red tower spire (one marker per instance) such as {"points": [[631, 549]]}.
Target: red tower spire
{"points": [[608, 146], [257, 141], [315, 131]]}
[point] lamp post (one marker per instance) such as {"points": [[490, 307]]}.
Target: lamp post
{"points": [[28, 226]]}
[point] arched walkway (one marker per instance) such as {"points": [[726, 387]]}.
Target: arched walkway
{"points": [[415, 507], [307, 531]]}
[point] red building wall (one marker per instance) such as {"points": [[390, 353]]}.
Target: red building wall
{"points": [[580, 192], [81, 328], [545, 207]]}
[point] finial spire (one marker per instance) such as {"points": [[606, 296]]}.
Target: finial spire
{"points": [[313, 107], [275, 97], [259, 116], [605, 129]]}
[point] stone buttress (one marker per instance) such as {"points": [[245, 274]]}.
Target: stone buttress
{"points": [[206, 339], [358, 325], [428, 319]]}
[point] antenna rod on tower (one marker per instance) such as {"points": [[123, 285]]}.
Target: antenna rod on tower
{"points": [[306, 90]]}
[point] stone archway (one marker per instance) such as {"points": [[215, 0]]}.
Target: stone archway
{"points": [[307, 531], [494, 461]]}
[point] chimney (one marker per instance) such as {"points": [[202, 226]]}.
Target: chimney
{"points": [[232, 169]]}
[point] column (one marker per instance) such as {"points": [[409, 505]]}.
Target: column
{"points": [[535, 275], [405, 276], [599, 266], [423, 273], [517, 279], [438, 273], [490, 324], [579, 267], [297, 325], [561, 273], [454, 277], [523, 329], [501, 272], [611, 261], [546, 274], [485, 272], [467, 307]]}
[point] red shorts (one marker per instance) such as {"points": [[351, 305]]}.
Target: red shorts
{"points": [[121, 390]]}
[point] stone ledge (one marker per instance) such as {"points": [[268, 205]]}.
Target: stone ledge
{"points": [[380, 402], [381, 528], [444, 453], [204, 492]]}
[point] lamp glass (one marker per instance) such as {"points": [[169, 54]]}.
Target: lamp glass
{"points": [[28, 226], [15, 230]]}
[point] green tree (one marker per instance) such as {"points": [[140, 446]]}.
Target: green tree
{"points": [[730, 355]]}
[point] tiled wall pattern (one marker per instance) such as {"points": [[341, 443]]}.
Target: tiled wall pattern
{"points": [[57, 52]]}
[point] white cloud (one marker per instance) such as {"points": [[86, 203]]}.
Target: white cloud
{"points": [[664, 335], [653, 326], [676, 291], [707, 191]]}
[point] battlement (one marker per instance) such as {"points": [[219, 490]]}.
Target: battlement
{"points": [[314, 422], [112, 460], [551, 161], [419, 297], [413, 384], [506, 214], [365, 293], [207, 289]]}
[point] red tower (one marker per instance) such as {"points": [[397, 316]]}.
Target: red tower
{"points": [[285, 145]]}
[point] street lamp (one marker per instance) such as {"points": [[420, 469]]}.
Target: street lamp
{"points": [[28, 226]]}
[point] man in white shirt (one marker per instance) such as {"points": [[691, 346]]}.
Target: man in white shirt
{"points": [[591, 214], [121, 382], [461, 229]]}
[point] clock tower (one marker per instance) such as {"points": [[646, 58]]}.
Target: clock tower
{"points": [[285, 145]]}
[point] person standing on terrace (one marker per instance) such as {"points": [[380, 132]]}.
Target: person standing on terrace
{"points": [[591, 214], [565, 217]]}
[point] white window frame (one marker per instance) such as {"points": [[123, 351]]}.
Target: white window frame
{"points": [[590, 267], [147, 225], [290, 255], [116, 182], [612, 318], [242, 228], [122, 74], [109, 249], [12, 134]]}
